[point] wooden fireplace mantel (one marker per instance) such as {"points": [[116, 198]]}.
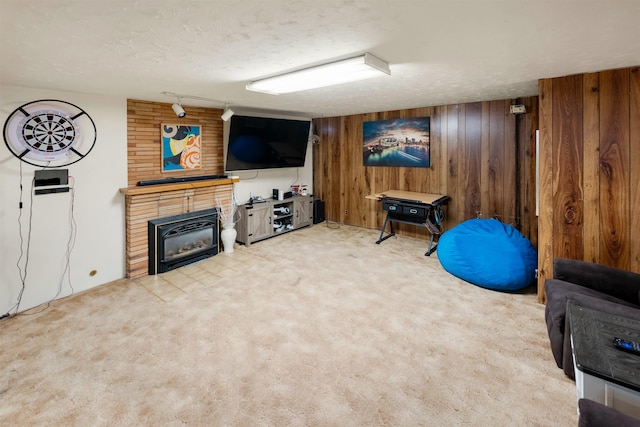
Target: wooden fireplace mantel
{"points": [[149, 202], [138, 190]]}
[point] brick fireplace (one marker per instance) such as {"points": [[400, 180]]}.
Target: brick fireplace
{"points": [[147, 203]]}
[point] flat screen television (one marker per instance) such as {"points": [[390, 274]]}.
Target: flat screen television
{"points": [[266, 143]]}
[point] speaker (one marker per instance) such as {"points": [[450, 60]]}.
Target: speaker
{"points": [[318, 211]]}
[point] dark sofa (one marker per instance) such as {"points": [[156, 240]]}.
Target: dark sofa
{"points": [[594, 414], [589, 285]]}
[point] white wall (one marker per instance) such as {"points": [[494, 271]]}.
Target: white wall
{"points": [[262, 182], [98, 209]]}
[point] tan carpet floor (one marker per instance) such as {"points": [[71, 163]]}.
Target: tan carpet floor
{"points": [[318, 327]]}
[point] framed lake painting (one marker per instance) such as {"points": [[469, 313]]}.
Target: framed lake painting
{"points": [[399, 143], [181, 147]]}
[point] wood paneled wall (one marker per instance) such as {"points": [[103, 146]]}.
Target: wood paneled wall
{"points": [[482, 156], [590, 173], [144, 141]]}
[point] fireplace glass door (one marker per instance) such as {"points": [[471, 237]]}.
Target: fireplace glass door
{"points": [[187, 240], [182, 239]]}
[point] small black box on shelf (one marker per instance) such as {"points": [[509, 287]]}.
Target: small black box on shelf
{"points": [[48, 177]]}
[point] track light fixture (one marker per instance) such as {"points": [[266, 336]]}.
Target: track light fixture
{"points": [[226, 115], [177, 108]]}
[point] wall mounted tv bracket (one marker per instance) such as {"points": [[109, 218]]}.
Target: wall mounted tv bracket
{"points": [[49, 133]]}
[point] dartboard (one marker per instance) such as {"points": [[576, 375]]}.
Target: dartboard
{"points": [[47, 133]]}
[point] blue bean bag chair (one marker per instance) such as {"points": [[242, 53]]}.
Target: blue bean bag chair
{"points": [[488, 253]]}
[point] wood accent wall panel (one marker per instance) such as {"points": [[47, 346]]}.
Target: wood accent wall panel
{"points": [[474, 160], [471, 158], [526, 127], [510, 163], [485, 155], [331, 169], [496, 163], [591, 156], [567, 168], [614, 168], [353, 163], [144, 119], [634, 167], [453, 177], [589, 149], [545, 218]]}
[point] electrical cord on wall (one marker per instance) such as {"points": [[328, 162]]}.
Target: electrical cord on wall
{"points": [[73, 227], [22, 270], [70, 244], [23, 267], [297, 177], [252, 178], [234, 201]]}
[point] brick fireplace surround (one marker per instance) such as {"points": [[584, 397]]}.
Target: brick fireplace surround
{"points": [[145, 203]]}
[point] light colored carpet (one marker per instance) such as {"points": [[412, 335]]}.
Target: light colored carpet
{"points": [[318, 327]]}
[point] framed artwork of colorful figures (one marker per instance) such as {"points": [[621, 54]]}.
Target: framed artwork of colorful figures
{"points": [[181, 147]]}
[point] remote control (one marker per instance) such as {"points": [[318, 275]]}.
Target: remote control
{"points": [[630, 346]]}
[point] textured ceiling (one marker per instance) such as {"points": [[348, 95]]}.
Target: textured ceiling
{"points": [[441, 52]]}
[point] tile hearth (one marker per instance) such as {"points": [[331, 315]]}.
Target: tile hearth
{"points": [[176, 283]]}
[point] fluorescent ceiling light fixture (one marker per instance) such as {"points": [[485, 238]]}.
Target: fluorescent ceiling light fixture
{"points": [[347, 70]]}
